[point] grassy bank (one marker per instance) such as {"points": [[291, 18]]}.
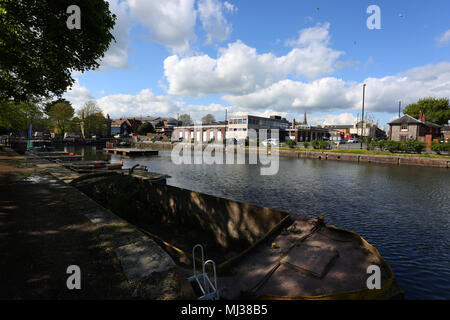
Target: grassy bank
{"points": [[371, 152]]}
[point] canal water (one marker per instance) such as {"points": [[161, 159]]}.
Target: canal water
{"points": [[403, 211]]}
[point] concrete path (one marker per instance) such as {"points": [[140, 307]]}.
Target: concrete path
{"points": [[47, 225]]}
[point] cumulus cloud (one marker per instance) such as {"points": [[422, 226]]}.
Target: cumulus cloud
{"points": [[239, 69], [333, 119], [117, 54], [78, 95], [443, 39], [213, 20], [331, 94], [170, 22]]}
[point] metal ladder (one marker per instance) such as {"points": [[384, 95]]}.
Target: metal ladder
{"points": [[209, 290]]}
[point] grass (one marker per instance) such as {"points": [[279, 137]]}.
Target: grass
{"points": [[371, 152]]}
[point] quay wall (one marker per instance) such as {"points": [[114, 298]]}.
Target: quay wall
{"points": [[319, 155]]}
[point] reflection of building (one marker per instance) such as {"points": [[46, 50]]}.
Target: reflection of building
{"points": [[201, 133], [125, 126], [407, 127], [238, 126]]}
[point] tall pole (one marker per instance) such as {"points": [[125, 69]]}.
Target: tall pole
{"points": [[399, 107], [362, 129]]}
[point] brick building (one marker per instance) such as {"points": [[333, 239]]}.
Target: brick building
{"points": [[407, 127]]}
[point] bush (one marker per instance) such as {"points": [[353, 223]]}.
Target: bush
{"points": [[381, 145], [306, 144], [324, 144], [145, 128], [315, 144], [392, 146], [291, 143], [440, 147]]}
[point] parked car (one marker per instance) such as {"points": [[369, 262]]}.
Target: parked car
{"points": [[271, 142], [353, 140]]}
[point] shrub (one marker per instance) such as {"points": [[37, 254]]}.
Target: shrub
{"points": [[315, 144], [381, 144], [392, 146], [324, 144], [306, 144], [418, 146], [291, 143], [439, 147]]}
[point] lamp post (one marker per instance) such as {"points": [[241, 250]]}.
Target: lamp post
{"points": [[362, 118]]}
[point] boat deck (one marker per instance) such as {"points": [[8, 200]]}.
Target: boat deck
{"points": [[132, 151]]}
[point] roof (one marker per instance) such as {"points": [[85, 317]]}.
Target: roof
{"points": [[410, 120], [339, 126]]}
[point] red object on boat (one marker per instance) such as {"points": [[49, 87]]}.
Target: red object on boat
{"points": [[71, 154]]}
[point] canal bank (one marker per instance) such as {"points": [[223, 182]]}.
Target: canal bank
{"points": [[335, 156], [339, 273], [403, 212], [46, 226]]}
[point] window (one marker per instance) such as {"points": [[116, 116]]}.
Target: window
{"points": [[245, 121], [240, 121], [402, 138], [404, 126]]}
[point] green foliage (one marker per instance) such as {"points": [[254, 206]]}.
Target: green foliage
{"points": [[435, 110], [381, 144], [291, 143], [440, 147], [145, 128], [324, 144], [392, 146], [17, 116], [408, 146], [306, 144], [61, 114], [315, 144], [91, 120], [39, 53]]}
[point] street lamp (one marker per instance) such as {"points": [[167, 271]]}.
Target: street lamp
{"points": [[362, 118]]}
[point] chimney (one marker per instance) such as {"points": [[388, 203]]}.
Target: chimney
{"points": [[293, 123], [420, 115], [424, 117]]}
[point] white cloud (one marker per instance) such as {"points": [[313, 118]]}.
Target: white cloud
{"points": [[332, 119], [443, 39], [213, 20], [78, 95], [170, 22], [331, 94], [239, 69], [117, 54], [230, 7]]}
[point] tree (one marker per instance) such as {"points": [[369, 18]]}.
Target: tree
{"points": [[209, 118], [435, 110], [38, 50], [61, 114], [185, 119], [18, 115], [145, 128], [91, 119]]}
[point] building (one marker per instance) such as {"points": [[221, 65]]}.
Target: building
{"points": [[238, 126], [407, 127], [124, 126], [201, 133], [366, 129], [306, 132], [446, 133], [344, 128], [161, 125]]}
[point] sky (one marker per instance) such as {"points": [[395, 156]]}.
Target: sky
{"points": [[265, 57]]}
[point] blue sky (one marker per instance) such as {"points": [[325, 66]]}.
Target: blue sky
{"points": [[270, 57]]}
